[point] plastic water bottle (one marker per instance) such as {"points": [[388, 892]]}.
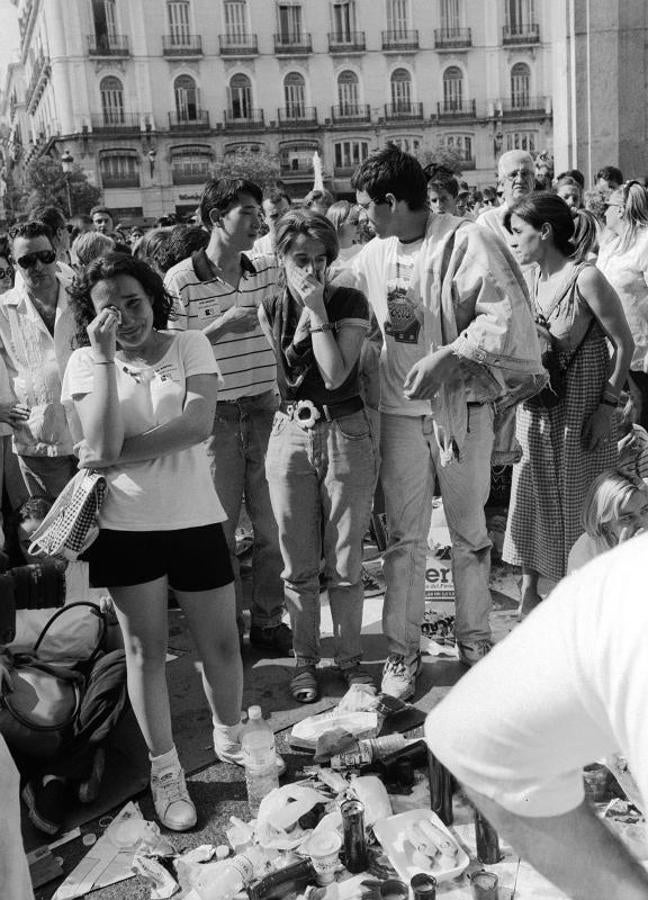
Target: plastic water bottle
{"points": [[258, 745]]}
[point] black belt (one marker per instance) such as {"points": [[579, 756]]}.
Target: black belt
{"points": [[302, 409]]}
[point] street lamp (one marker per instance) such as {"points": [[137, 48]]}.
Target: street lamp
{"points": [[66, 161]]}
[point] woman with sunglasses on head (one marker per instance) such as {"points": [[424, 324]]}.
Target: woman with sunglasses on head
{"points": [[623, 259], [142, 401], [321, 462]]}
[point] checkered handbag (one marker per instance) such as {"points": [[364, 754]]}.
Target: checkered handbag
{"points": [[72, 525]]}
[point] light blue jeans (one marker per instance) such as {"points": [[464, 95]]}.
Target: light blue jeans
{"points": [[236, 451], [410, 462], [321, 486]]}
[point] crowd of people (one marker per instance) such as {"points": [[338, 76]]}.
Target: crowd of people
{"points": [[305, 359]]}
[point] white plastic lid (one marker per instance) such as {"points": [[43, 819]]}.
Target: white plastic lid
{"points": [[254, 712]]}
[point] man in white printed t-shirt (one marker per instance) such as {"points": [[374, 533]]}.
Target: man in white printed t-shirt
{"points": [[218, 290], [458, 335]]}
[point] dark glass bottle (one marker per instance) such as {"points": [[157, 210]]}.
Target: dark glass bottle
{"points": [[488, 848], [441, 786], [355, 841]]}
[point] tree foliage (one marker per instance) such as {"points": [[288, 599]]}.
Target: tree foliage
{"points": [[259, 167], [443, 156], [45, 184]]}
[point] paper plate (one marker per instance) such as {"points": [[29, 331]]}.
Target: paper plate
{"points": [[391, 832]]}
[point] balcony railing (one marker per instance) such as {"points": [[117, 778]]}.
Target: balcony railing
{"points": [[452, 38], [299, 167], [115, 123], [304, 116], [121, 181], [182, 45], [351, 113], [238, 45], [521, 34], [40, 73], [344, 171], [293, 44], [108, 45], [399, 41], [525, 107], [467, 162], [452, 110], [400, 111], [351, 42], [180, 176], [199, 121], [252, 120]]}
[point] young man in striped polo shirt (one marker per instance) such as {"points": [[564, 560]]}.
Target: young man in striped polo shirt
{"points": [[218, 290]]}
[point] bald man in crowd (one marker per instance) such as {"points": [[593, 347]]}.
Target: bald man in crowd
{"points": [[516, 171]]}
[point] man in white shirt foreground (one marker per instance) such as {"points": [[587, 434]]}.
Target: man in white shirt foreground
{"points": [[567, 687]]}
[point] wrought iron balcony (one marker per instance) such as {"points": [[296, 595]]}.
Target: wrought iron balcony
{"points": [[351, 113], [299, 167], [108, 45], [293, 44], [238, 44], [347, 42], [115, 122], [452, 38], [403, 110], [525, 107], [253, 119], [184, 121], [40, 73], [182, 45], [301, 116], [120, 181], [453, 110], [400, 41], [344, 171], [518, 35]]}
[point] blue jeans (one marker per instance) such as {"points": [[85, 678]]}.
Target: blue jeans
{"points": [[321, 486], [410, 461], [236, 451]]}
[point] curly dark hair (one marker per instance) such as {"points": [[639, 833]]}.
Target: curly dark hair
{"points": [[110, 266]]}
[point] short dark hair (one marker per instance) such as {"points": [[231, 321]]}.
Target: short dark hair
{"points": [[576, 174], [318, 196], [181, 243], [100, 209], [392, 171], [313, 225], [50, 215], [221, 193], [543, 207], [610, 174], [110, 266], [32, 229]]}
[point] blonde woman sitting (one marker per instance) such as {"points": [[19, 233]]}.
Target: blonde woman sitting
{"points": [[615, 509]]}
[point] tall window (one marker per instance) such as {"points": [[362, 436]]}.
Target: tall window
{"points": [[521, 140], [348, 93], [520, 86], [240, 97], [112, 100], [397, 17], [178, 13], [401, 90], [343, 21], [119, 169], [105, 22], [520, 15], [349, 154], [461, 144], [290, 22], [190, 164], [453, 89], [235, 19], [186, 98], [450, 16], [295, 95]]}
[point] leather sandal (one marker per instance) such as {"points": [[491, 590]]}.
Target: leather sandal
{"points": [[303, 685]]}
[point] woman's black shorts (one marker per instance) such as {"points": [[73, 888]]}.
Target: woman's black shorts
{"points": [[193, 559]]}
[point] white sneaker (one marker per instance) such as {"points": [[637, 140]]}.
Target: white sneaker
{"points": [[399, 675], [173, 804]]}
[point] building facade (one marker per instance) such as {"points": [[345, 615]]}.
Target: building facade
{"points": [[147, 94]]}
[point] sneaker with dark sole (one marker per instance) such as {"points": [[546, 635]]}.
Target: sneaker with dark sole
{"points": [[277, 638], [471, 652], [46, 803], [357, 675], [369, 584], [399, 675]]}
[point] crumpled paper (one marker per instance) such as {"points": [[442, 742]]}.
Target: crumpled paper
{"points": [[276, 824]]}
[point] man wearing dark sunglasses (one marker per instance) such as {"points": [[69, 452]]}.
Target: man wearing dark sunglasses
{"points": [[36, 333]]}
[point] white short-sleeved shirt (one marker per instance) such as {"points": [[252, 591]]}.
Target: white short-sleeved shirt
{"points": [[175, 490], [627, 272], [567, 687]]}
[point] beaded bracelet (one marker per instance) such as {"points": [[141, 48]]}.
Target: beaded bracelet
{"points": [[325, 326]]}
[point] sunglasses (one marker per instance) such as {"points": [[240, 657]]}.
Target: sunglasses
{"points": [[30, 259], [6, 273]]}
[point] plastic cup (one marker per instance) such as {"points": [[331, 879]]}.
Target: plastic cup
{"points": [[424, 887], [393, 890], [484, 885], [324, 852], [596, 779]]}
